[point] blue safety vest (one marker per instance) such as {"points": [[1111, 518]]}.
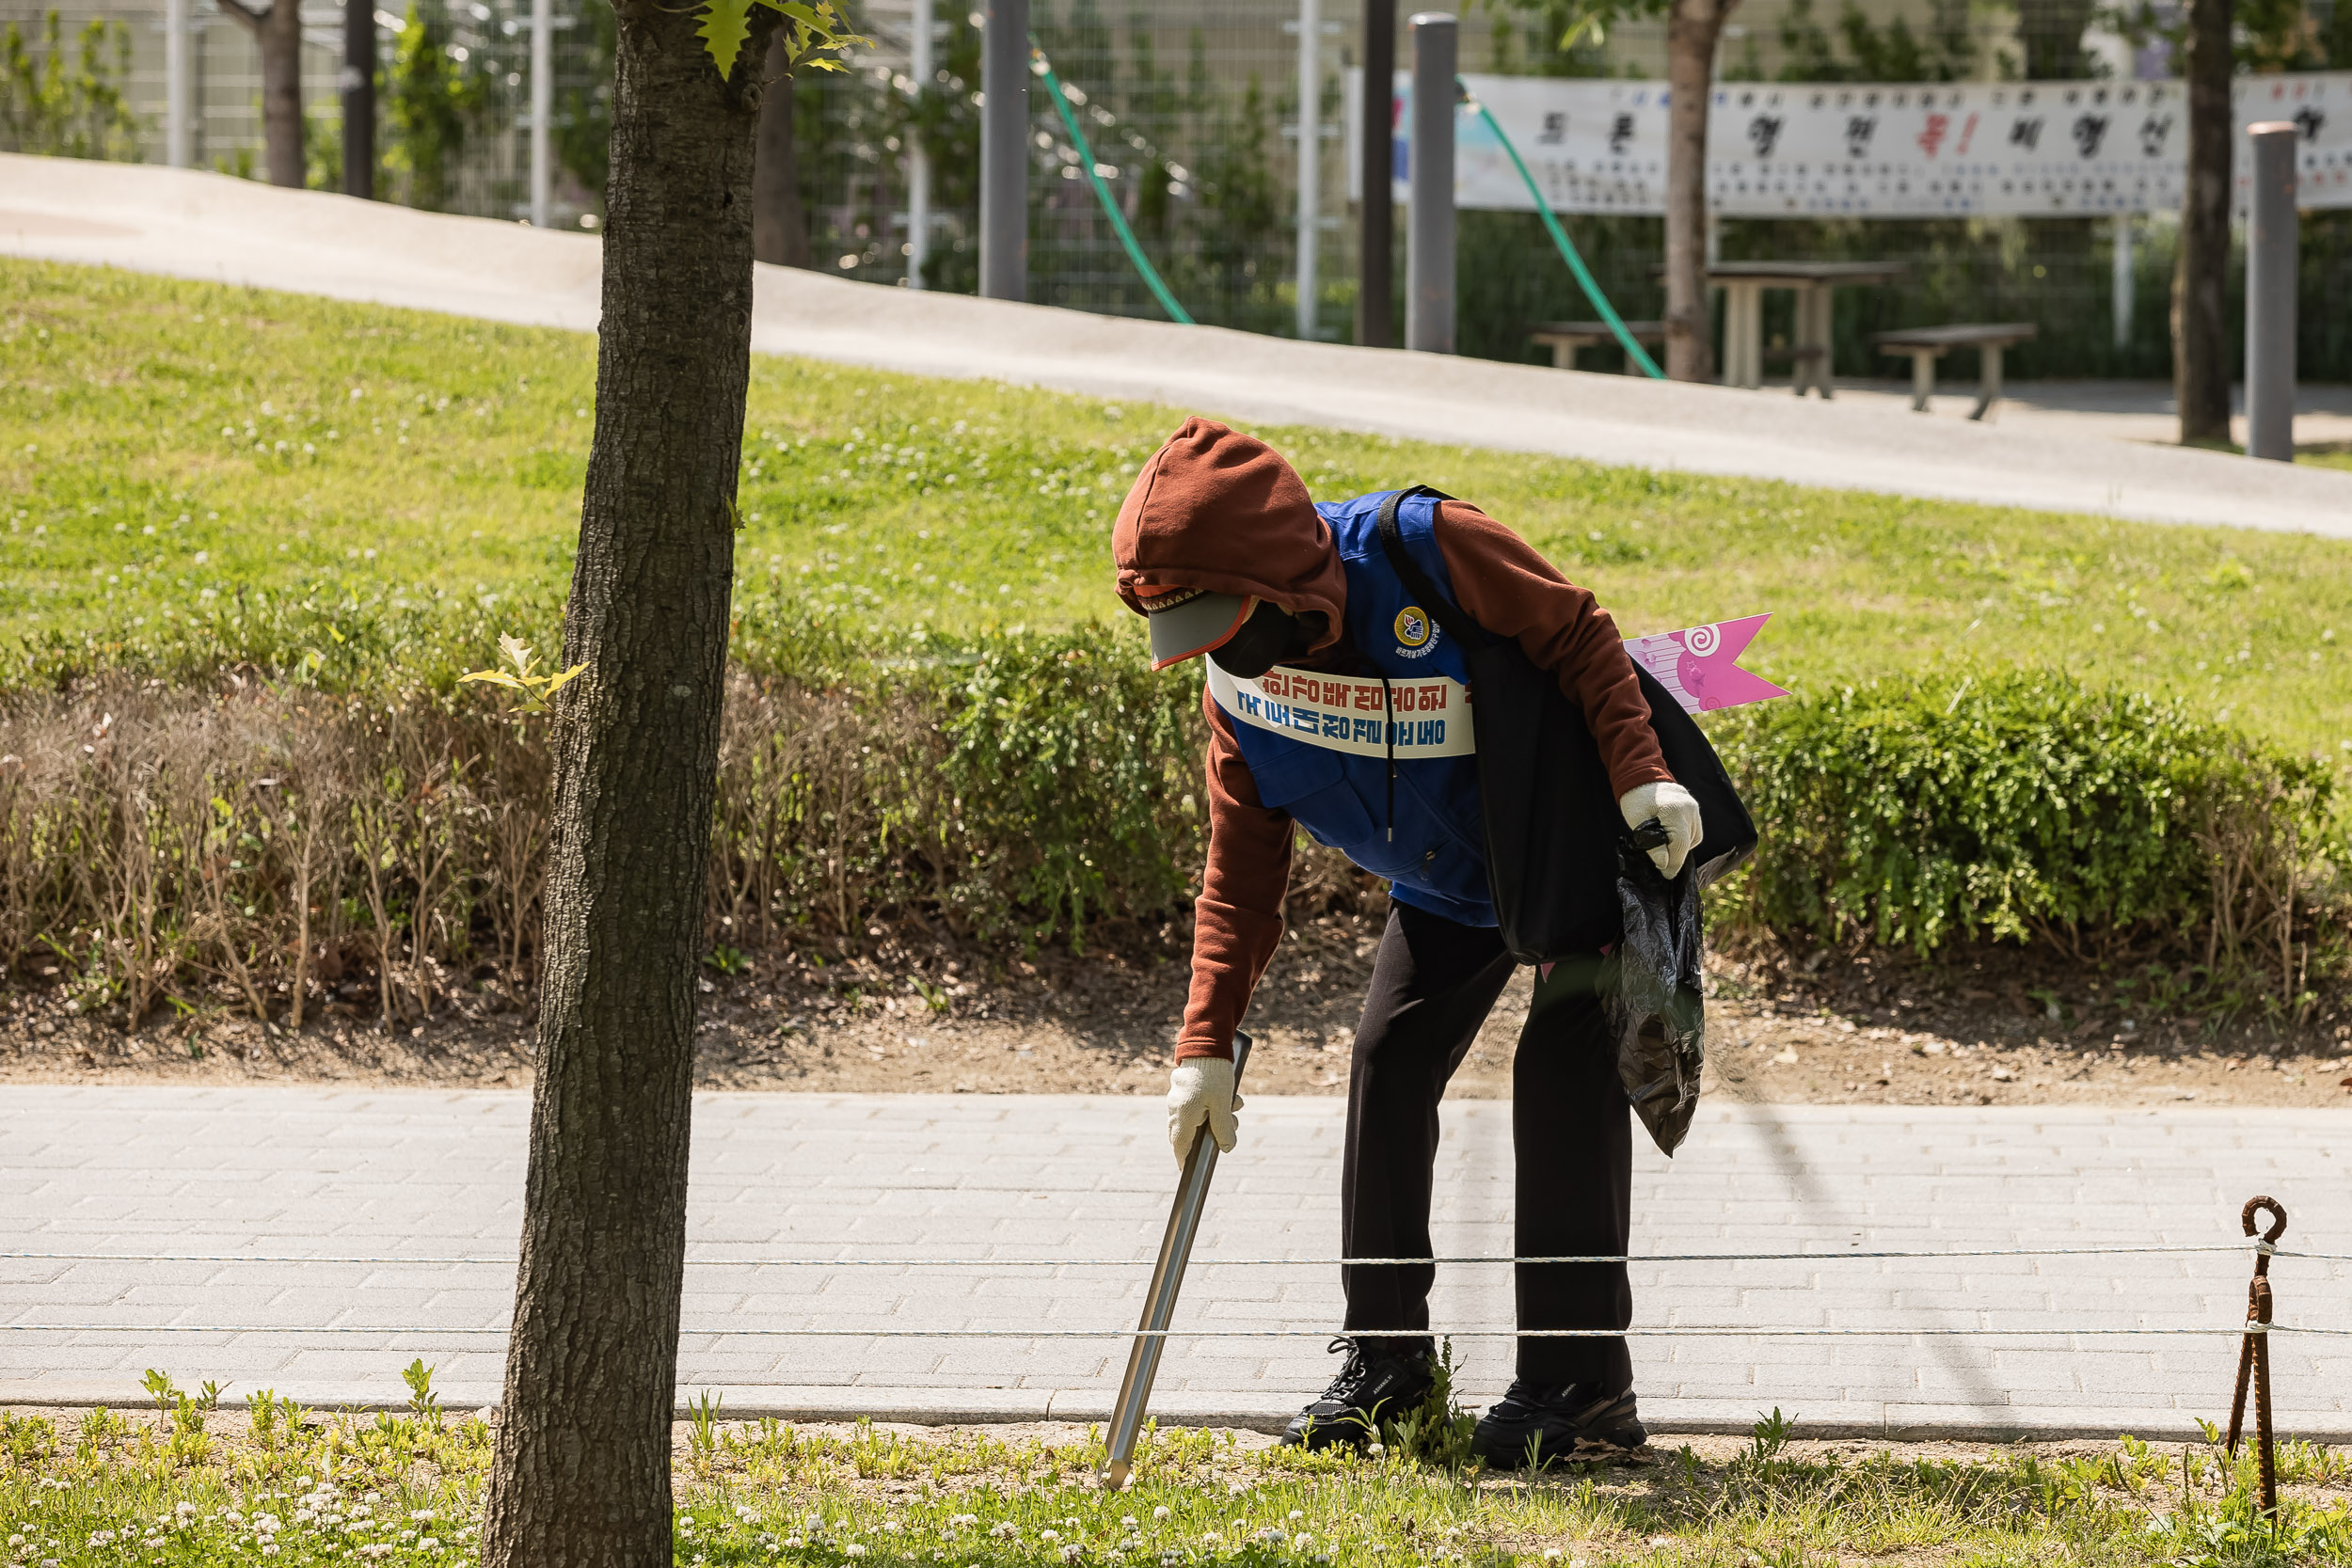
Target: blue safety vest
{"points": [[1319, 744]]}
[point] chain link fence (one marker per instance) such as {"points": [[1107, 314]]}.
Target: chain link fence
{"points": [[1193, 117]]}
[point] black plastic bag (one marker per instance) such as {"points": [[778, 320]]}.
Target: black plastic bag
{"points": [[1652, 994]]}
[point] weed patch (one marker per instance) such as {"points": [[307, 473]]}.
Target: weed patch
{"points": [[405, 1489], [253, 541]]}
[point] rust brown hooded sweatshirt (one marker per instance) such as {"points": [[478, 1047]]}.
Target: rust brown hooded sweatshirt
{"points": [[1218, 510]]}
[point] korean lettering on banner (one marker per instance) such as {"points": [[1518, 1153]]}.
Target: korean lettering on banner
{"points": [[1348, 712], [1998, 149]]}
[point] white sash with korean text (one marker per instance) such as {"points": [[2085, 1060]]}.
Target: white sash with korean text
{"points": [[1344, 713]]}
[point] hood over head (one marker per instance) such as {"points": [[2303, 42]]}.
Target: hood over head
{"points": [[1219, 512]]}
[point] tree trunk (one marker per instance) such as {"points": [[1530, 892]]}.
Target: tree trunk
{"points": [[1692, 27], [2201, 338], [779, 229], [278, 33], [580, 1472]]}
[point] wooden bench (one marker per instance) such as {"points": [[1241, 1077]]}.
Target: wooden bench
{"points": [[1926, 344], [1564, 337]]}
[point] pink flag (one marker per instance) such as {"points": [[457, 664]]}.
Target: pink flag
{"points": [[1700, 664]]}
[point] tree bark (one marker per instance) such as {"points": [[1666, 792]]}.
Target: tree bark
{"points": [[1692, 27], [779, 228], [2200, 336], [278, 33], [580, 1471]]}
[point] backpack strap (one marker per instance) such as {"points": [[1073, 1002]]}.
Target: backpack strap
{"points": [[1448, 615]]}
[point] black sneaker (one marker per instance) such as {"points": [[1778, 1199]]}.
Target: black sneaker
{"points": [[1563, 1422], [1383, 1379]]}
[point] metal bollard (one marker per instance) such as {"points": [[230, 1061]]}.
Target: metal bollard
{"points": [[1005, 151], [2253, 1357], [1376, 168], [1429, 239], [179, 81], [2270, 267], [542, 111]]}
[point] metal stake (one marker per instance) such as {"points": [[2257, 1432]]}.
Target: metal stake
{"points": [[2253, 1357], [1159, 1300], [1005, 151], [2270, 267], [1429, 241]]}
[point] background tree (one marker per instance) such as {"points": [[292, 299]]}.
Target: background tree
{"points": [[580, 1473], [1694, 28], [779, 222], [584, 106], [71, 102], [276, 30], [2200, 339], [431, 102]]}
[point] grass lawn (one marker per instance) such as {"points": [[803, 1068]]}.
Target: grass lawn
{"points": [[169, 446], [405, 1491]]}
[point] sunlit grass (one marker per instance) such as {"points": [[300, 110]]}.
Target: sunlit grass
{"points": [[406, 1488], [164, 445]]}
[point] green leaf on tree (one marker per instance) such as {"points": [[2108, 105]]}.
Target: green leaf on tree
{"points": [[725, 24]]}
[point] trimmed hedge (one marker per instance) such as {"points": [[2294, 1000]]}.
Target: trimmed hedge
{"points": [[2023, 805], [256, 796]]}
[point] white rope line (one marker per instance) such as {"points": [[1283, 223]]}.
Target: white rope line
{"points": [[728, 1262], [1668, 1331]]}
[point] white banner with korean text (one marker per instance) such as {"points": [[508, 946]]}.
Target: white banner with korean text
{"points": [[1426, 716], [1848, 150]]}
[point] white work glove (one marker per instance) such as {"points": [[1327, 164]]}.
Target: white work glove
{"points": [[1201, 1089], [1673, 806]]}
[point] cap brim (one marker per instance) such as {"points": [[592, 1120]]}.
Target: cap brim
{"points": [[1203, 621]]}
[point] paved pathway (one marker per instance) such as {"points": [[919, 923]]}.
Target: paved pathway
{"points": [[192, 224], [308, 1171]]}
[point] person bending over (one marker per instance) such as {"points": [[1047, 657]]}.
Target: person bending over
{"points": [[1220, 548]]}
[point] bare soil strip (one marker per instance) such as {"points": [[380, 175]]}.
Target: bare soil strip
{"points": [[1996, 1027]]}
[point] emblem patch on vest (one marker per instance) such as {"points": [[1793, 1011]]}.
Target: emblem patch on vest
{"points": [[1416, 638]]}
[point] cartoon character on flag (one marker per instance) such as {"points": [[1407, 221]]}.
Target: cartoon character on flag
{"points": [[1699, 665]]}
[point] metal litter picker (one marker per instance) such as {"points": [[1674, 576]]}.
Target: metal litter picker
{"points": [[1159, 1302]]}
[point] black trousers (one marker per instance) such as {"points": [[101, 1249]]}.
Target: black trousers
{"points": [[1432, 984]]}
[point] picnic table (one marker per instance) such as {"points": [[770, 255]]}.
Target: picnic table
{"points": [[1926, 344], [1564, 337], [1816, 284]]}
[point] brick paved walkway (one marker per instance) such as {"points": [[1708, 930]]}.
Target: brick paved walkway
{"points": [[305, 1171]]}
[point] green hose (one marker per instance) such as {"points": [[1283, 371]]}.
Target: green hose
{"points": [[1567, 250], [1103, 192]]}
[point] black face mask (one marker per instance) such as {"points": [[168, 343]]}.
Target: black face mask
{"points": [[1269, 636]]}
